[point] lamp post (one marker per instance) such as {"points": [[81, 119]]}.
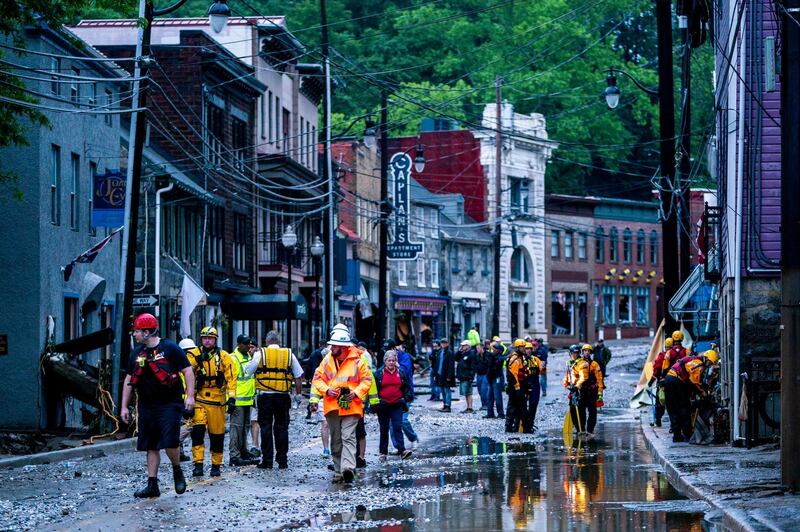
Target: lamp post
{"points": [[317, 251], [218, 17], [289, 241], [663, 94], [419, 166]]}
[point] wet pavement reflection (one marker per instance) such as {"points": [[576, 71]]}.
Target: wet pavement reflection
{"points": [[606, 483]]}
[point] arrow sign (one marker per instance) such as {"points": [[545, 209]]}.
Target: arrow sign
{"points": [[150, 300]]}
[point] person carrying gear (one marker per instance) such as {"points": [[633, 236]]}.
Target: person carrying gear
{"points": [[592, 390], [533, 368], [675, 353], [657, 378], [245, 399], [216, 393], [275, 369], [343, 381], [685, 378], [576, 379], [161, 375], [516, 386]]}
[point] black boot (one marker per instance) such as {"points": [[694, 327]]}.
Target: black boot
{"points": [[149, 491], [198, 470], [215, 471], [180, 481]]}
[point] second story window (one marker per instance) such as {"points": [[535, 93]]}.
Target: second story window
{"points": [[568, 237], [612, 244], [627, 246], [600, 245], [74, 88], [470, 261], [216, 225], [286, 130], [75, 192], [55, 184], [420, 272], [640, 246], [581, 246], [519, 194], [402, 273], [215, 120], [239, 143], [434, 273], [239, 242], [454, 259], [555, 244], [485, 262], [653, 248]]}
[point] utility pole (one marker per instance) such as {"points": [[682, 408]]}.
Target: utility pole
{"points": [[790, 251], [685, 165], [666, 118], [383, 260], [327, 174], [498, 194]]}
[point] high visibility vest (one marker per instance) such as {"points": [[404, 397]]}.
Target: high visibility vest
{"points": [[245, 384], [274, 372]]}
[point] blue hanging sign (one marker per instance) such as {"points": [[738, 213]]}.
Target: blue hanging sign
{"points": [[401, 247], [108, 199]]}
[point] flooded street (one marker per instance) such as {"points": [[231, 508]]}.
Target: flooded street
{"points": [[607, 483]]}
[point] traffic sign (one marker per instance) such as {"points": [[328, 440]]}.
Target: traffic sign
{"points": [[149, 300]]}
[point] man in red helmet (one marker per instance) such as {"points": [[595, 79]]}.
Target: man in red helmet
{"points": [[157, 371]]}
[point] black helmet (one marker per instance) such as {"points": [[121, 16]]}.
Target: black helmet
{"points": [[574, 348]]}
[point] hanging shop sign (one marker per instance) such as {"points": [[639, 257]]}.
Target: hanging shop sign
{"points": [[401, 247], [108, 199]]}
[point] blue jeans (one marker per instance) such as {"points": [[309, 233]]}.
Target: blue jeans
{"points": [[434, 389], [543, 383], [447, 396], [496, 396], [484, 389], [390, 415], [408, 430]]}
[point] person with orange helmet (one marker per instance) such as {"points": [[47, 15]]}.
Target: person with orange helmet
{"points": [[157, 370]]}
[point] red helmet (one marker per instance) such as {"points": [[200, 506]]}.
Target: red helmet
{"points": [[145, 321]]}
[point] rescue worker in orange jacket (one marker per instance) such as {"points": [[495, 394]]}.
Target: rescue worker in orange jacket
{"points": [[577, 380], [533, 368], [675, 353], [684, 379], [591, 390], [216, 392], [657, 378], [516, 386], [343, 380]]}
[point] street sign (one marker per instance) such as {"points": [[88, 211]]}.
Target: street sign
{"points": [[149, 300], [401, 248]]}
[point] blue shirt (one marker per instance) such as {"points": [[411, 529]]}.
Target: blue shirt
{"points": [[404, 361]]}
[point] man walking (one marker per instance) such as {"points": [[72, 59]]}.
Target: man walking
{"points": [[602, 354], [465, 372], [435, 391], [216, 391], [496, 378], [245, 398], [275, 369], [154, 371], [540, 350], [444, 372], [343, 380]]}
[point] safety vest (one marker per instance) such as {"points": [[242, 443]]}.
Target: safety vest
{"points": [[688, 369], [209, 372], [245, 384], [373, 398], [515, 370], [672, 356], [274, 372]]}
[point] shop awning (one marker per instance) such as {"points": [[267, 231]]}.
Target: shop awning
{"points": [[265, 307], [419, 300]]}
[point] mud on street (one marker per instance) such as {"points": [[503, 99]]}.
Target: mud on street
{"points": [[466, 475]]}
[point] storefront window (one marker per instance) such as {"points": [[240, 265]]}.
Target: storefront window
{"points": [[563, 313], [642, 306], [609, 305], [625, 305]]}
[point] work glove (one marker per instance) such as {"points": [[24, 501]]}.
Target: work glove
{"points": [[600, 402], [343, 400], [231, 405]]}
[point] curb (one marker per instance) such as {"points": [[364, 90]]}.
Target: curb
{"points": [[87, 451], [692, 486]]}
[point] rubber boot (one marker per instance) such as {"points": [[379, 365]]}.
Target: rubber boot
{"points": [[149, 491], [198, 470], [180, 481], [215, 471]]}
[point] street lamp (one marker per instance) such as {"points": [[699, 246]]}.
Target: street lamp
{"points": [[612, 92], [317, 250], [289, 241], [370, 133], [218, 15]]}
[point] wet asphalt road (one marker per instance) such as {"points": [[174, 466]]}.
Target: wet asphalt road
{"points": [[467, 475]]}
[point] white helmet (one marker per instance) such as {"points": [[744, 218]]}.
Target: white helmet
{"points": [[340, 336], [187, 343], [341, 327]]}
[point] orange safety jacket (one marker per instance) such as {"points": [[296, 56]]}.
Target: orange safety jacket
{"points": [[352, 373], [515, 370], [578, 373], [596, 376], [689, 370], [672, 356]]}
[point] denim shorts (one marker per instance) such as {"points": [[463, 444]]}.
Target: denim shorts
{"points": [[465, 387]]}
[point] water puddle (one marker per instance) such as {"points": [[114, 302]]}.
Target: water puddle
{"points": [[607, 483]]}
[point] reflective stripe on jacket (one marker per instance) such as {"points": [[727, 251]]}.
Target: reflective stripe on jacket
{"points": [[351, 373], [372, 398], [274, 372], [245, 384]]}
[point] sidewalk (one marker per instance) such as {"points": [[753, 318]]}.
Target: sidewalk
{"points": [[743, 485]]}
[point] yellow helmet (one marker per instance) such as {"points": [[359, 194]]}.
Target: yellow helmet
{"points": [[528, 345], [209, 332], [585, 347], [519, 342], [677, 336], [712, 356], [668, 343]]}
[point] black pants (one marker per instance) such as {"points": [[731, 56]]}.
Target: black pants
{"points": [[659, 408], [516, 411], [678, 408], [584, 416], [273, 417]]}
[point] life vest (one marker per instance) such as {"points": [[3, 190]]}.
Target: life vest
{"points": [[274, 372], [685, 368], [245, 384], [208, 375], [158, 364], [515, 370], [672, 356]]}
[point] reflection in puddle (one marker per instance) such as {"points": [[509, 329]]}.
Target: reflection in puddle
{"points": [[609, 483]]}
